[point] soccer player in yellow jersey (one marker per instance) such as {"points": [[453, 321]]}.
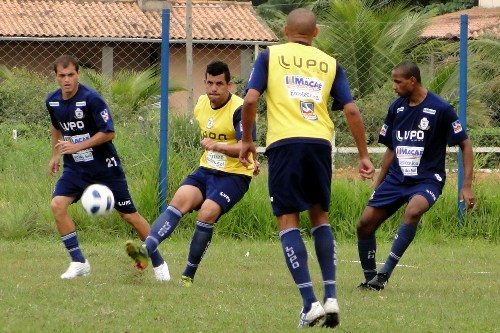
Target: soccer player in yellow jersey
{"points": [[220, 181], [298, 80]]}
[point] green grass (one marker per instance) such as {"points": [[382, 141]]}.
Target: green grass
{"points": [[442, 287], [26, 188]]}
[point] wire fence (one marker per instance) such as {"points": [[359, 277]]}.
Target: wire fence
{"points": [[26, 76]]}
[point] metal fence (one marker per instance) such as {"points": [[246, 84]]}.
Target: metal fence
{"points": [[26, 77]]}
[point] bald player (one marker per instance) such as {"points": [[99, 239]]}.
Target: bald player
{"points": [[299, 151]]}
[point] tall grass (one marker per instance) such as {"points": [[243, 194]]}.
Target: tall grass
{"points": [[26, 188]]}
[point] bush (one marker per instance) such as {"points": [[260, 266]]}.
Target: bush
{"points": [[22, 97]]}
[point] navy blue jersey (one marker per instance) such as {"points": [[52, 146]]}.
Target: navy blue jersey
{"points": [[78, 119], [419, 135]]}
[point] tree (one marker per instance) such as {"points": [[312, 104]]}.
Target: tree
{"points": [[369, 41]]}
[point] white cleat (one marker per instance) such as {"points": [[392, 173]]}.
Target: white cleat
{"points": [[313, 317], [162, 273], [331, 307], [76, 269]]}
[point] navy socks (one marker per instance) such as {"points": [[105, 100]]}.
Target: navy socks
{"points": [[367, 249], [295, 253], [199, 245], [71, 243], [324, 244], [402, 240], [163, 227]]}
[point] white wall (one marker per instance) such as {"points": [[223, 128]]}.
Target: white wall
{"points": [[489, 3]]}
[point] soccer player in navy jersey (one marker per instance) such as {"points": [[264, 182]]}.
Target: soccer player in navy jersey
{"points": [[82, 130], [299, 79], [418, 126], [220, 181]]}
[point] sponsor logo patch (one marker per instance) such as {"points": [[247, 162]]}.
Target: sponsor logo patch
{"points": [[400, 109], [383, 130], [105, 115], [78, 113], [457, 127], [210, 123], [429, 111], [424, 124], [82, 103], [54, 103], [307, 110]]}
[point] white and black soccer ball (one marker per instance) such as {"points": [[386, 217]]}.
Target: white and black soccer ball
{"points": [[98, 199]]}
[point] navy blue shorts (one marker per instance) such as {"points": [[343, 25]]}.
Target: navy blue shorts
{"points": [[300, 176], [226, 189], [391, 196], [72, 184]]}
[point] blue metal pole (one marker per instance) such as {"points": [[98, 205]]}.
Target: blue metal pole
{"points": [[165, 44], [462, 108]]}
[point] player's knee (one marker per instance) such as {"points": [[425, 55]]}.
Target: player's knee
{"points": [[364, 229], [414, 214], [58, 205]]}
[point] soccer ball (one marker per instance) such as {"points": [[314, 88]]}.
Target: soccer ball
{"points": [[97, 199]]}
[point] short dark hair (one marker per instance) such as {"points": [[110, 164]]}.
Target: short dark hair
{"points": [[217, 68], [408, 69], [66, 60]]}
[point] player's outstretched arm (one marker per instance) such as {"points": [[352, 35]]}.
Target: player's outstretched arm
{"points": [[466, 192]]}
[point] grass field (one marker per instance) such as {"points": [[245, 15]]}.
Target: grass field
{"points": [[439, 287]]}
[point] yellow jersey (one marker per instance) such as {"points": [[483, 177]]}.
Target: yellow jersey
{"points": [[218, 125], [298, 87]]}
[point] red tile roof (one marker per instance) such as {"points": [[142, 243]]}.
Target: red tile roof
{"points": [[212, 20], [482, 22]]}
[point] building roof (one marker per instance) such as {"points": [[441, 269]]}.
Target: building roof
{"points": [[482, 22], [115, 20]]}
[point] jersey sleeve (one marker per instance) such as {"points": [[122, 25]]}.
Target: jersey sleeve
{"points": [[340, 91], [100, 113], [455, 133], [259, 74], [238, 126], [385, 134], [51, 112]]}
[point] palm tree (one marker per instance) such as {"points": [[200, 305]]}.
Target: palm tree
{"points": [[442, 59], [369, 39], [129, 91]]}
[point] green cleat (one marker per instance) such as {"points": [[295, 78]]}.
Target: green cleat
{"points": [[185, 281], [139, 253]]}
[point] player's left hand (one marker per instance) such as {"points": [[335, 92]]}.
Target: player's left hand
{"points": [[66, 147]]}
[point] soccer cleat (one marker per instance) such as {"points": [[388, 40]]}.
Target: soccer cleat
{"points": [[314, 316], [76, 269], [331, 307], [185, 281], [379, 281], [364, 286], [162, 273], [139, 253]]}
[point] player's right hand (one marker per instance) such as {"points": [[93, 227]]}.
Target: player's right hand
{"points": [[54, 166]]}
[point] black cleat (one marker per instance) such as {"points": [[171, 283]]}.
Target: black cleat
{"points": [[379, 281], [364, 286]]}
